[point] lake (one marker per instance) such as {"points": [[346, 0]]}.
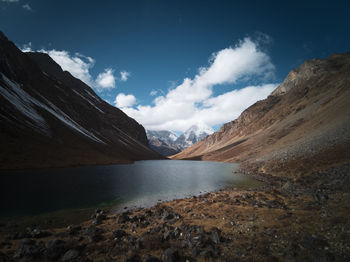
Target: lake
{"points": [[141, 184]]}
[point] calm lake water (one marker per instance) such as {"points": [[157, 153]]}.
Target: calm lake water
{"points": [[143, 183]]}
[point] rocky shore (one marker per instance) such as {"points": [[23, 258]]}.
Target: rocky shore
{"points": [[283, 220]]}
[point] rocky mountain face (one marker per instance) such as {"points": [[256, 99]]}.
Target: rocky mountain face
{"points": [[164, 135], [167, 143], [49, 118], [303, 126], [193, 135], [163, 142]]}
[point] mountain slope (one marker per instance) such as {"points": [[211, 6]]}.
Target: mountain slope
{"points": [[49, 118], [304, 125], [163, 142]]}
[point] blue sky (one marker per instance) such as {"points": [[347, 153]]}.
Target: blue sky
{"points": [[156, 45]]}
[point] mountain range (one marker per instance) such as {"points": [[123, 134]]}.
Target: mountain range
{"points": [[50, 118], [163, 142], [303, 126], [168, 143]]}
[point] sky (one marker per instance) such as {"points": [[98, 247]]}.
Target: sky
{"points": [[172, 64]]}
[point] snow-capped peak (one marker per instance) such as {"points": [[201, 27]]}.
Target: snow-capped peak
{"points": [[193, 135], [164, 135], [199, 129], [173, 136]]}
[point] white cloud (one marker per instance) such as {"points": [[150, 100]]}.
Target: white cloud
{"points": [[153, 92], [229, 106], [123, 100], [10, 1], [27, 7], [27, 47], [106, 79], [193, 101], [124, 75], [79, 66]]}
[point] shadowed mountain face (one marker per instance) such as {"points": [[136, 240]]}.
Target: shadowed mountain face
{"points": [[49, 118], [302, 126]]}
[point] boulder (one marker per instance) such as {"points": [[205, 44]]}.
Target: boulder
{"points": [[27, 249], [70, 255]]}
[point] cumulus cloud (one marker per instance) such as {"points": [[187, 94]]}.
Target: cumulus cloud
{"points": [[231, 64], [79, 66], [106, 79], [27, 7], [124, 75], [123, 101], [193, 101], [174, 115]]}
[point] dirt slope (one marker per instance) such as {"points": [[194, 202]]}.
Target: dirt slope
{"points": [[302, 126]]}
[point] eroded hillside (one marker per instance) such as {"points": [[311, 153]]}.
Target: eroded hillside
{"points": [[305, 118]]}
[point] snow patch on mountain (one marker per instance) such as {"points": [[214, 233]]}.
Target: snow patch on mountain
{"points": [[164, 140], [25, 103], [59, 114], [87, 100], [193, 135], [173, 137], [164, 135], [199, 130]]}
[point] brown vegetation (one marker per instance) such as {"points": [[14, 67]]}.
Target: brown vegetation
{"points": [[306, 117]]}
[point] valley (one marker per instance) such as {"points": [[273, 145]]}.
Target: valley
{"points": [[294, 144]]}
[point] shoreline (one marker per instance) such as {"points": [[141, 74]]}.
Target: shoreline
{"points": [[111, 207], [116, 206], [272, 222]]}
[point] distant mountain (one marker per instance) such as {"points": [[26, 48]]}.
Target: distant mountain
{"points": [[303, 126], [193, 135], [164, 135], [163, 142], [49, 118], [167, 143]]}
